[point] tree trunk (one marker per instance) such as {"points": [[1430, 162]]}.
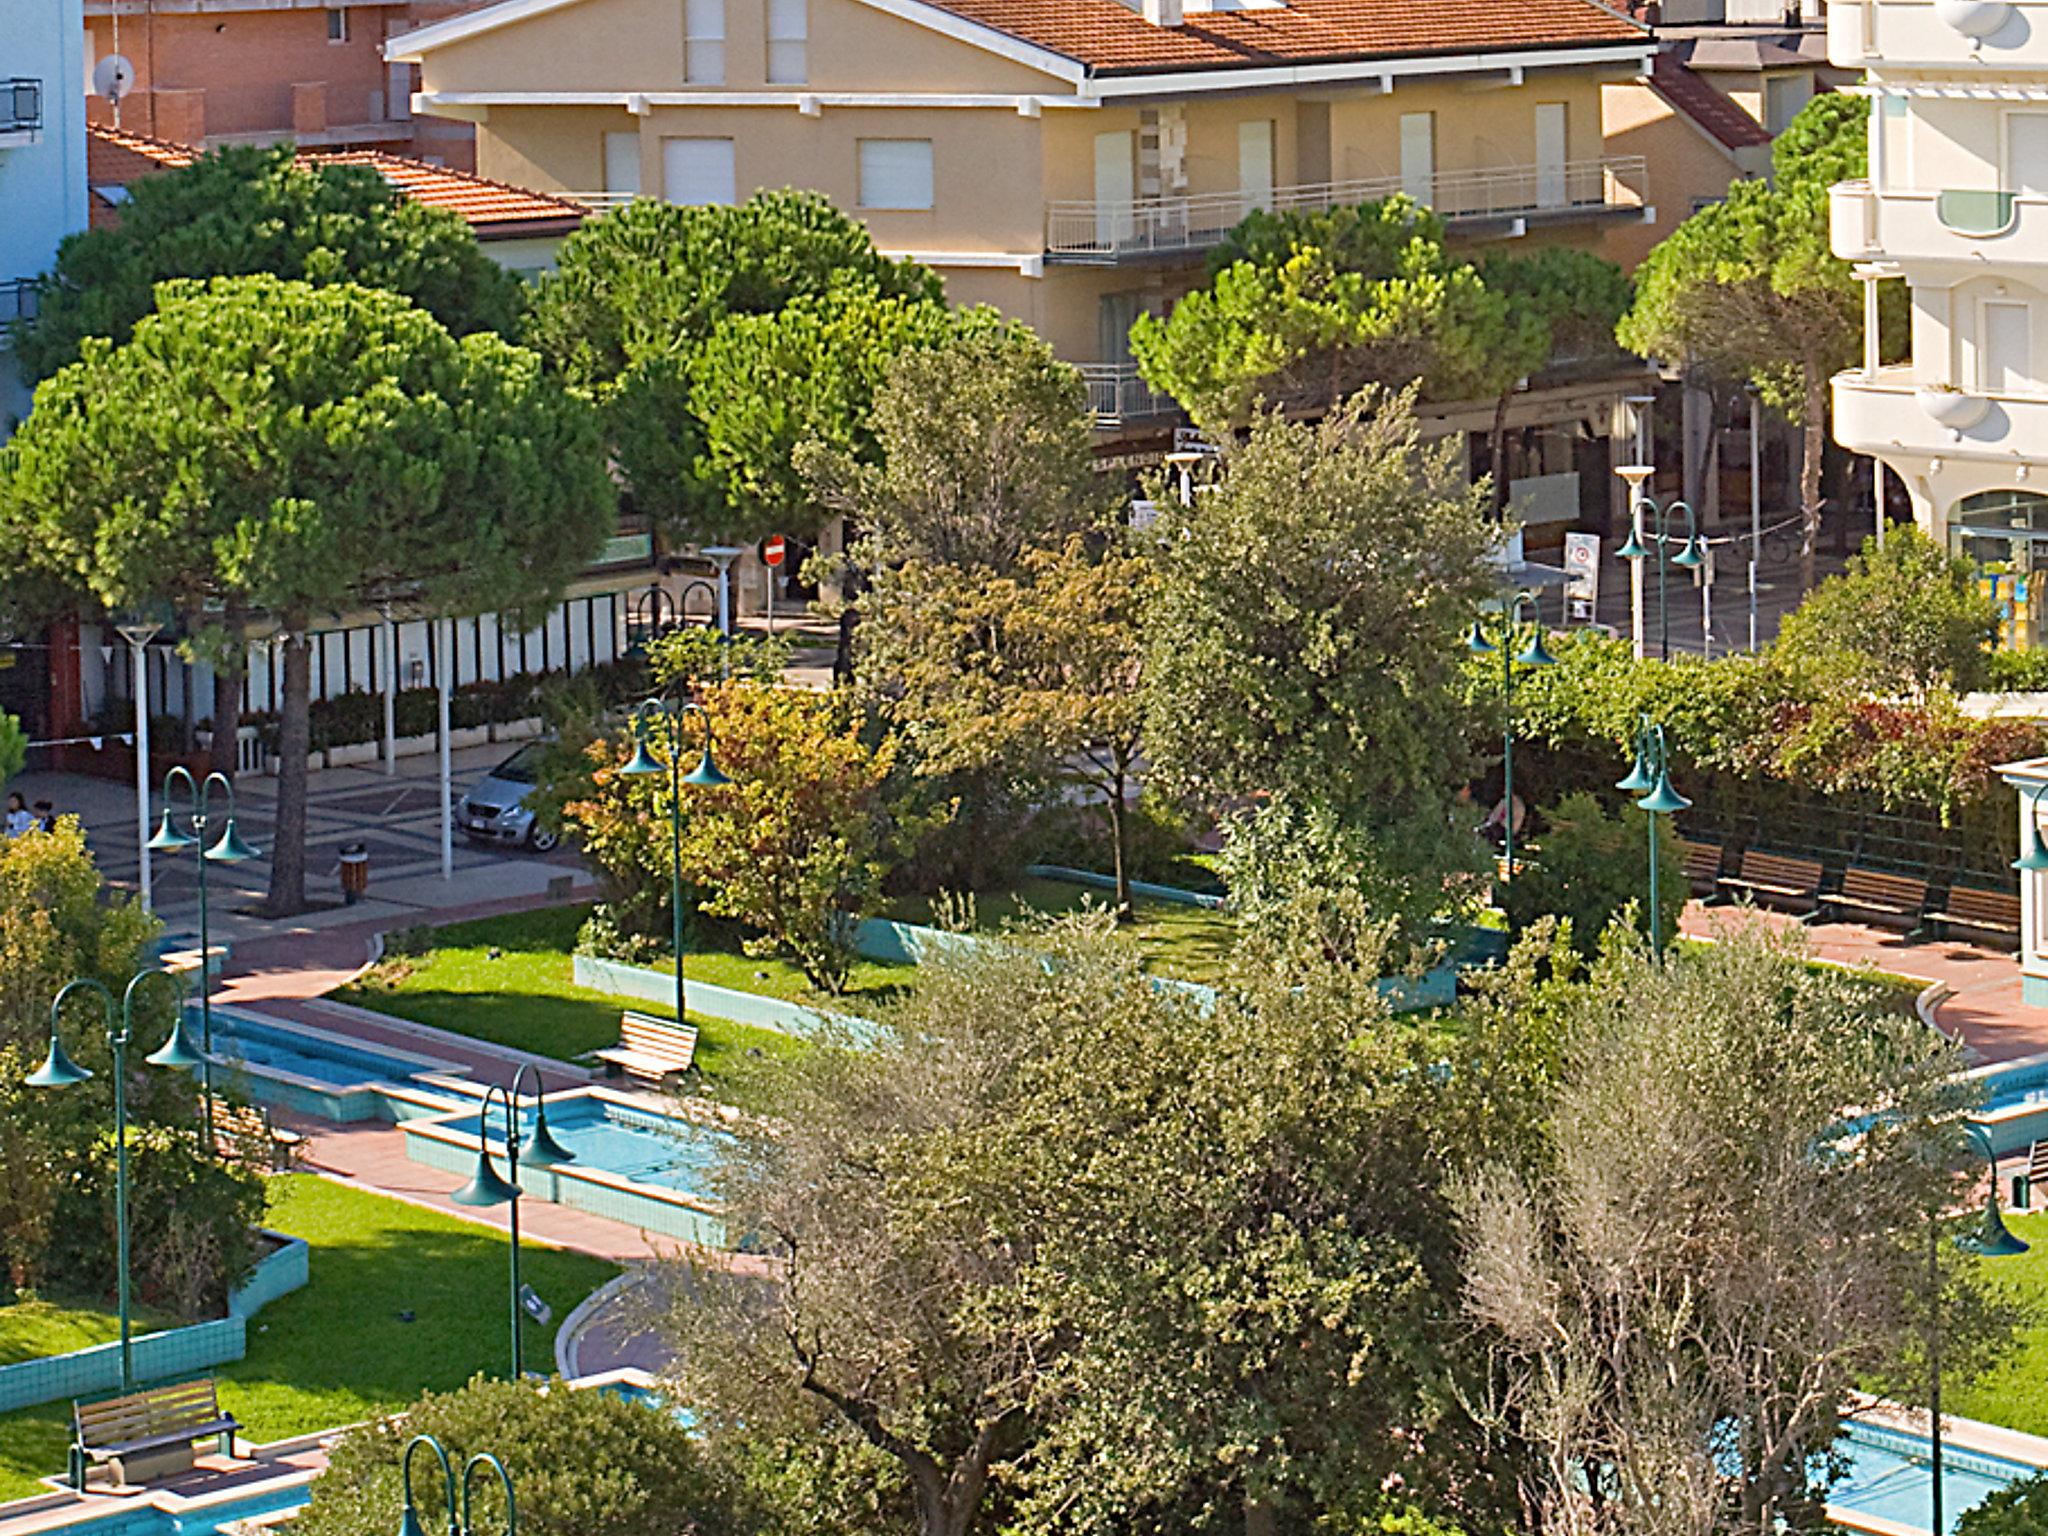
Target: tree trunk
{"points": [[1815, 429], [294, 741], [1113, 802], [1497, 445], [227, 697]]}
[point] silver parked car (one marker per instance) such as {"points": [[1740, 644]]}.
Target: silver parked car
{"points": [[495, 810]]}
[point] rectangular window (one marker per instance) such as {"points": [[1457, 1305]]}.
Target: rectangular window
{"points": [[789, 31], [2008, 365], [704, 42], [337, 26], [2026, 153], [896, 173], [1255, 163], [698, 171], [622, 163], [1418, 156]]}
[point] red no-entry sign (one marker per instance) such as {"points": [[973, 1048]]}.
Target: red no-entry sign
{"points": [[773, 549]]}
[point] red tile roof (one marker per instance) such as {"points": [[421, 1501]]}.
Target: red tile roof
{"points": [[114, 157], [1113, 39], [1686, 92]]}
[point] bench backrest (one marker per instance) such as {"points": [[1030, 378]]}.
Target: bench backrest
{"points": [[1781, 869], [1702, 860], [1879, 885], [1972, 903], [657, 1037], [152, 1411], [251, 1120]]}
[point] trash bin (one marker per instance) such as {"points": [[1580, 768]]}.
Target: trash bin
{"points": [[355, 872], [2022, 1191]]}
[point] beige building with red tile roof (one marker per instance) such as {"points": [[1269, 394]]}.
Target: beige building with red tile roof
{"points": [[1073, 162]]}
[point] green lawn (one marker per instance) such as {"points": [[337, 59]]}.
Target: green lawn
{"points": [[2016, 1395], [525, 998], [339, 1350], [1191, 943], [31, 1329]]}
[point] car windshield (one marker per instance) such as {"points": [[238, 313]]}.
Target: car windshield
{"points": [[522, 767]]}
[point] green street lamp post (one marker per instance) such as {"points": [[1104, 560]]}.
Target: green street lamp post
{"points": [[1992, 1240], [705, 775], [1650, 530], [487, 1187], [228, 848], [1531, 655], [60, 1071], [1651, 778], [462, 1518]]}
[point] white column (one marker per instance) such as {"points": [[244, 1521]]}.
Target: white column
{"points": [[1873, 328], [2030, 887], [444, 659], [390, 697]]}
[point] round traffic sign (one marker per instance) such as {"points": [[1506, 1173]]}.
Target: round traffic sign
{"points": [[774, 549]]}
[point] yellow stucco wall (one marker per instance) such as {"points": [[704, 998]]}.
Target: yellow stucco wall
{"points": [[1685, 167]]}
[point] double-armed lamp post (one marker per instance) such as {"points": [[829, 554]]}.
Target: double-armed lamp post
{"points": [[487, 1187], [462, 1515], [228, 848], [1650, 533], [1531, 655], [60, 1071], [1651, 778], [643, 764]]}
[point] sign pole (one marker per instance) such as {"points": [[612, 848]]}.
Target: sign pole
{"points": [[774, 550]]}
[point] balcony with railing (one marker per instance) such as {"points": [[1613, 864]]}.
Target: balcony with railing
{"points": [[1977, 35], [21, 111], [20, 301], [598, 202], [1118, 397], [1500, 199], [1963, 226]]}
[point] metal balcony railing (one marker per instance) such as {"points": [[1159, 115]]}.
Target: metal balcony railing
{"points": [[21, 106], [1117, 396], [598, 202], [20, 300], [1103, 232]]}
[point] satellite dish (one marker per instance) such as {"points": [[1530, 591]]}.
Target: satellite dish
{"points": [[113, 77]]}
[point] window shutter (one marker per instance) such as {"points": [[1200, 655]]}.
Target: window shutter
{"points": [[697, 171], [788, 38], [896, 173], [704, 43]]}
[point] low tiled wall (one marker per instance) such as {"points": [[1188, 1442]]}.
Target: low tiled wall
{"points": [[175, 1352], [647, 985]]}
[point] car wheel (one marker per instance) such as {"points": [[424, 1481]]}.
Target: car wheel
{"points": [[541, 840]]}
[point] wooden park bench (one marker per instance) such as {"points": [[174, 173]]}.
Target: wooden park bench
{"points": [[651, 1049], [148, 1434], [1973, 910], [1702, 865], [1887, 900], [1776, 880], [247, 1133]]}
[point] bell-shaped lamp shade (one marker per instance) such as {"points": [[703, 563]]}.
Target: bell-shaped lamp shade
{"points": [[229, 847], [486, 1186], [409, 1523], [1664, 800], [168, 838], [539, 1149], [1632, 550], [178, 1052], [58, 1069], [642, 762], [1639, 777], [1992, 1239], [706, 775], [1475, 640], [1534, 654], [2033, 857], [1689, 557]]}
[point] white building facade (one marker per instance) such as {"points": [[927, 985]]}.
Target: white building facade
{"points": [[42, 160], [1955, 205]]}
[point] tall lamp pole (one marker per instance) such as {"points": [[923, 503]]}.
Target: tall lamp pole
{"points": [[1652, 773], [1992, 1240], [60, 1071], [644, 763], [228, 848], [138, 633], [537, 1149], [1532, 655], [1650, 529], [462, 1517]]}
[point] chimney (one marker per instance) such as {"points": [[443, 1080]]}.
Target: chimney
{"points": [[1163, 13]]}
